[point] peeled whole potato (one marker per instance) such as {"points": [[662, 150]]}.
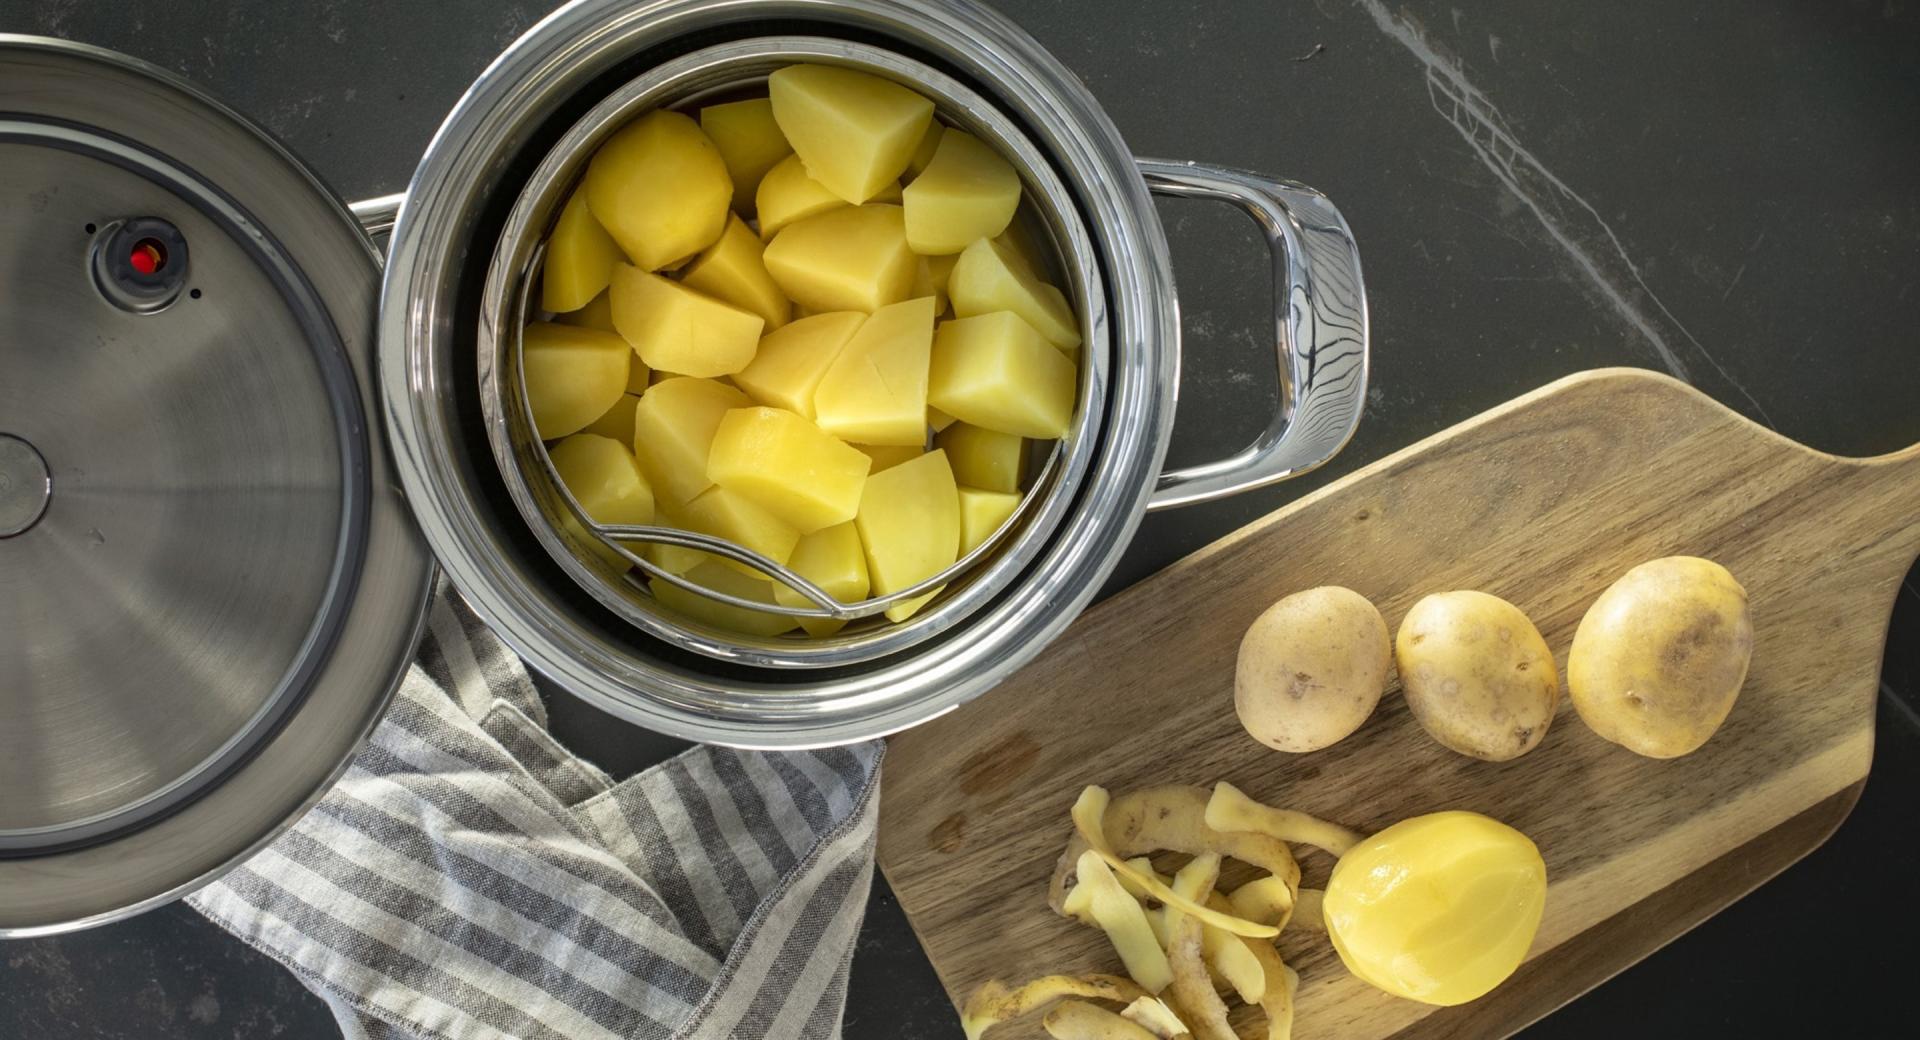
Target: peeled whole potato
{"points": [[1477, 674], [1311, 669], [1439, 908], [1660, 657]]}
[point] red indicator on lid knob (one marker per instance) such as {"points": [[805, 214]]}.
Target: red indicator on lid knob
{"points": [[148, 256]]}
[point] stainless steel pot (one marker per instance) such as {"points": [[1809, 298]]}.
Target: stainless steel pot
{"points": [[437, 331], [209, 588]]}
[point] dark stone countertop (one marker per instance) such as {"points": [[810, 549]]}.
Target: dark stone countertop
{"points": [[1725, 190]]}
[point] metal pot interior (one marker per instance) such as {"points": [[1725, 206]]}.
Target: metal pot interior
{"points": [[1047, 218]]}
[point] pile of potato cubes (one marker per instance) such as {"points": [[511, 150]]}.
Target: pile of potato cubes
{"points": [[798, 323]]}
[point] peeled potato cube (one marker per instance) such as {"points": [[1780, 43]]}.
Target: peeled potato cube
{"points": [[660, 189], [923, 152], [981, 513], [875, 392], [938, 419], [967, 192], [673, 427], [788, 466], [787, 194], [909, 523], [930, 279], [732, 271], [853, 130], [750, 143], [995, 371], [711, 574], [850, 259], [601, 475], [597, 314], [676, 329], [983, 458], [792, 358], [617, 422], [579, 259], [725, 513], [833, 559], [887, 456], [989, 277], [573, 375]]}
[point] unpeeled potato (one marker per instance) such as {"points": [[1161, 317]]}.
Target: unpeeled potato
{"points": [[1311, 669], [1660, 657], [1477, 674]]}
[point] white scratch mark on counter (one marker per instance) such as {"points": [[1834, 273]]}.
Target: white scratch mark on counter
{"points": [[1568, 219]]}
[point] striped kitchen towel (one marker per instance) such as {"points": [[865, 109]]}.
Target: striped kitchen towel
{"points": [[470, 879]]}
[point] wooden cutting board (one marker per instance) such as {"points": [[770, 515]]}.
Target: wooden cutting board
{"points": [[1543, 501]]}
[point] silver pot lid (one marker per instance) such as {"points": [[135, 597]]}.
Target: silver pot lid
{"points": [[209, 585]]}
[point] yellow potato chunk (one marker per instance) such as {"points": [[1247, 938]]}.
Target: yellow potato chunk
{"points": [[967, 192], [597, 314], [990, 277], [982, 458], [930, 279], [732, 271], [787, 194], [909, 523], [853, 130], [938, 419], [887, 456], [792, 358], [750, 143], [573, 375], [724, 513], [713, 613], [994, 371], [788, 466], [675, 329], [673, 428], [981, 514], [602, 476], [923, 152], [660, 188], [875, 392], [617, 422], [854, 258], [579, 259], [832, 559]]}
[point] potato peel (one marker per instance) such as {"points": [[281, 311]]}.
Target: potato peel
{"points": [[1231, 810], [1268, 900], [1277, 1001], [1089, 813], [1155, 1017], [993, 1003], [1171, 817], [1125, 922], [1198, 1005], [1079, 1020]]}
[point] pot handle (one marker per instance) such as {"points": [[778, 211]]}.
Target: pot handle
{"points": [[1320, 330], [376, 215]]}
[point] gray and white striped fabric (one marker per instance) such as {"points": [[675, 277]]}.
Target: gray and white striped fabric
{"points": [[470, 879]]}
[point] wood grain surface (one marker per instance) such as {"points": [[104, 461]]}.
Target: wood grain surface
{"points": [[1543, 501]]}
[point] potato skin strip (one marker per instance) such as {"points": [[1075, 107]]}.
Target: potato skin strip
{"points": [[1089, 813], [993, 1003], [1125, 922], [1231, 810], [1078, 1020]]}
